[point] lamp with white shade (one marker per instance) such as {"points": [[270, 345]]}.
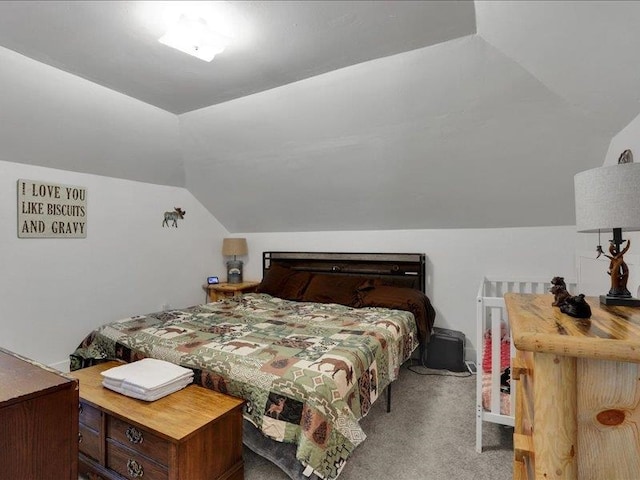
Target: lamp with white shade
{"points": [[608, 198], [232, 247]]}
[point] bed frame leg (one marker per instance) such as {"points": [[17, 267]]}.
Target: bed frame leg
{"points": [[388, 398]]}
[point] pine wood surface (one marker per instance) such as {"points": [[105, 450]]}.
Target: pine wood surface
{"points": [[612, 333], [608, 419], [218, 291], [554, 416], [174, 417], [579, 384], [232, 287], [524, 394]]}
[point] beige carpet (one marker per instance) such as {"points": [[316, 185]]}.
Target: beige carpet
{"points": [[429, 435]]}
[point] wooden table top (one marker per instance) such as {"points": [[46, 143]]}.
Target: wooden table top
{"points": [[230, 287], [174, 417], [612, 333], [22, 378]]}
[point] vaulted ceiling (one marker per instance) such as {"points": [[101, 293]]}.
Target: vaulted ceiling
{"points": [[361, 115], [115, 44]]}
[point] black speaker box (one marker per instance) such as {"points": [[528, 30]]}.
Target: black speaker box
{"points": [[445, 351]]}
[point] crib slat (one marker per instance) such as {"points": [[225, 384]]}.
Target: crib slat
{"points": [[493, 302], [512, 388], [481, 314], [496, 334]]}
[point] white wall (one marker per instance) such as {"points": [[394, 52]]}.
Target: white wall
{"points": [[55, 119], [54, 291], [449, 136], [457, 259], [627, 138]]}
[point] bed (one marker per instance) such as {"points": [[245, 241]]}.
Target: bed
{"points": [[310, 351], [495, 399]]}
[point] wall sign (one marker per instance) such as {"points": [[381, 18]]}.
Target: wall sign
{"points": [[49, 210]]}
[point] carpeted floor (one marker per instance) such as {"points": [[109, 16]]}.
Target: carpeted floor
{"points": [[429, 435]]}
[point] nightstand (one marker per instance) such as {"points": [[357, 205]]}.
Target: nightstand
{"points": [[222, 290]]}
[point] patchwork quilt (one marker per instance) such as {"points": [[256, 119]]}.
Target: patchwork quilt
{"points": [[308, 371]]}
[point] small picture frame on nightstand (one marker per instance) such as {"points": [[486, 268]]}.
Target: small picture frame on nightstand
{"points": [[212, 280]]}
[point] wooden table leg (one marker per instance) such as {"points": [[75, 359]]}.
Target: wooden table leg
{"points": [[555, 405]]}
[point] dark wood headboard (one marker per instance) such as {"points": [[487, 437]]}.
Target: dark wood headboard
{"points": [[406, 269]]}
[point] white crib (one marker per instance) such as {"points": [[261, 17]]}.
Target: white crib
{"points": [[491, 316]]}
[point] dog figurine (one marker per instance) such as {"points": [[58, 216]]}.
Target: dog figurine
{"points": [[576, 307], [559, 290]]}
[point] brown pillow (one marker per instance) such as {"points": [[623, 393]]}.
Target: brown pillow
{"points": [[399, 298], [333, 289], [284, 283]]}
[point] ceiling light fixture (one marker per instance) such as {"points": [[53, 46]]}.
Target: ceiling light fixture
{"points": [[193, 35]]}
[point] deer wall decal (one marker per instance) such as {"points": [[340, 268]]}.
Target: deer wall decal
{"points": [[177, 214]]}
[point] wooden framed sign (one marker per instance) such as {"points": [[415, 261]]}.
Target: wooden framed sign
{"points": [[50, 210]]}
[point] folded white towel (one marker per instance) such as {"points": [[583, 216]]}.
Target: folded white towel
{"points": [[146, 374], [148, 396], [120, 385]]}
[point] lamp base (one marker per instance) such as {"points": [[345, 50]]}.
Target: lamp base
{"points": [[619, 301], [234, 271]]}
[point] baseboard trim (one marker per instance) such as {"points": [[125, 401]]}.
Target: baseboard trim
{"points": [[61, 366]]}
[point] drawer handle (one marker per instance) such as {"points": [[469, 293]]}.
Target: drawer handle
{"points": [[134, 469], [80, 438], [80, 409], [134, 435]]}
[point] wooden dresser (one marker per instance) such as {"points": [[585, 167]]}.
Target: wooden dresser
{"points": [[192, 434], [38, 421], [577, 391]]}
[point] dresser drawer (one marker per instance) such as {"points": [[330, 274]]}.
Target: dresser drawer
{"points": [[132, 465], [90, 416], [89, 442], [88, 471], [138, 440]]}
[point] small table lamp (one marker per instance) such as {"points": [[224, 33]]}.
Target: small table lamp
{"points": [[234, 247], [609, 198]]}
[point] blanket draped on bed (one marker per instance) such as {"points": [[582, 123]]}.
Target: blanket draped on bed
{"points": [[308, 371]]}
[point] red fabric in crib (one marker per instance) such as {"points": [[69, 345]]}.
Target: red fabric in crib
{"points": [[505, 353], [505, 398]]}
